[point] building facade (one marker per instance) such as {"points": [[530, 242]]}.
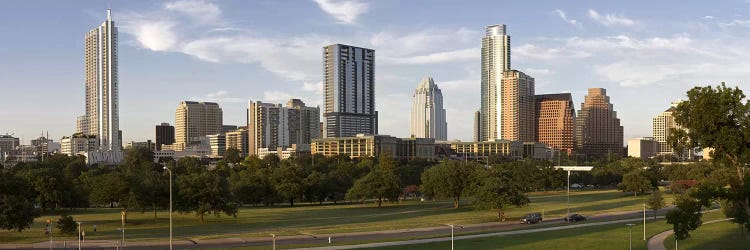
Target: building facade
{"points": [[555, 121], [237, 139], [517, 107], [218, 144], [495, 61], [196, 119], [373, 145], [486, 149], [349, 78], [273, 125], [427, 112], [164, 135], [102, 87], [79, 143], [598, 130], [643, 148], [661, 125]]}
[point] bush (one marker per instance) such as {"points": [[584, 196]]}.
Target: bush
{"points": [[67, 225]]}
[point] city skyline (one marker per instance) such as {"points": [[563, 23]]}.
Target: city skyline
{"points": [[156, 72]]}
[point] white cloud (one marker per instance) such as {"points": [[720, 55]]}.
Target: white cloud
{"points": [[316, 87], [276, 96], [345, 11], [708, 17], [154, 35], [534, 72], [610, 19], [219, 96], [470, 54], [564, 17], [202, 10], [740, 23]]}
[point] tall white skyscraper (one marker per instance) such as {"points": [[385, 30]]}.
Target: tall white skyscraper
{"points": [[427, 112], [349, 77], [662, 124], [102, 117], [495, 61]]}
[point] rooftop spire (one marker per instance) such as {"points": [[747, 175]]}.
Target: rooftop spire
{"points": [[109, 15]]}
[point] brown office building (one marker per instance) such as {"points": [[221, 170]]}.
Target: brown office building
{"points": [[164, 135], [598, 130], [517, 107], [555, 121]]}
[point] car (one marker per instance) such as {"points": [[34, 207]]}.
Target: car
{"points": [[575, 218], [532, 218]]}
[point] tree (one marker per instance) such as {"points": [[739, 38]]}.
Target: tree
{"points": [[718, 119], [495, 188], [636, 181], [67, 224], [381, 183], [288, 181], [205, 192], [655, 201], [449, 179], [685, 217], [232, 155], [17, 210]]}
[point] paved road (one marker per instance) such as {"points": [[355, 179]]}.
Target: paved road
{"points": [[323, 239], [657, 242]]}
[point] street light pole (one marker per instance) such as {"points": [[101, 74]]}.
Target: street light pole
{"points": [[122, 242], [79, 234], [274, 241], [567, 204], [170, 206], [644, 221], [630, 229]]}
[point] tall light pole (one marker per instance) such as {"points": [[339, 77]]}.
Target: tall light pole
{"points": [[273, 236], [452, 228], [79, 234], [122, 242], [644, 221], [630, 229], [567, 204], [170, 206]]}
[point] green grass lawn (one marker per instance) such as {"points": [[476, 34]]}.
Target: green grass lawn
{"points": [[613, 236], [719, 235], [325, 219]]}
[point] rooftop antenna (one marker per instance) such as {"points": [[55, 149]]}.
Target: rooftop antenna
{"points": [[109, 14]]}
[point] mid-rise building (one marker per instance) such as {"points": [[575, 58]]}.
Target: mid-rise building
{"points": [[8, 142], [598, 130], [363, 145], [349, 78], [662, 125], [151, 146], [164, 135], [102, 87], [273, 125], [427, 112], [495, 61], [555, 121], [643, 148], [486, 149], [196, 119], [285, 153], [477, 126], [517, 107], [218, 144], [237, 139], [227, 128], [79, 143]]}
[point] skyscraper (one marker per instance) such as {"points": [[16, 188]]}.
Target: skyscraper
{"points": [[516, 100], [427, 112], [102, 104], [196, 119], [349, 77], [598, 130], [164, 135], [555, 121], [495, 61], [273, 125]]}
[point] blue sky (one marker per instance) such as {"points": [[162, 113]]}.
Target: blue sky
{"points": [[645, 53]]}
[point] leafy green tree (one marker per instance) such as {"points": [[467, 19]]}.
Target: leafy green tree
{"points": [[655, 201], [17, 210], [495, 188], [67, 225], [411, 172], [232, 155], [205, 192], [108, 188], [381, 183], [636, 181], [288, 181], [449, 179], [685, 217], [718, 118], [253, 185]]}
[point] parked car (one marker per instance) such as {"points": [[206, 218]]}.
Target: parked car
{"points": [[532, 218], [575, 218]]}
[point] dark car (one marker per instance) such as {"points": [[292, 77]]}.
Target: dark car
{"points": [[575, 218], [532, 218]]}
